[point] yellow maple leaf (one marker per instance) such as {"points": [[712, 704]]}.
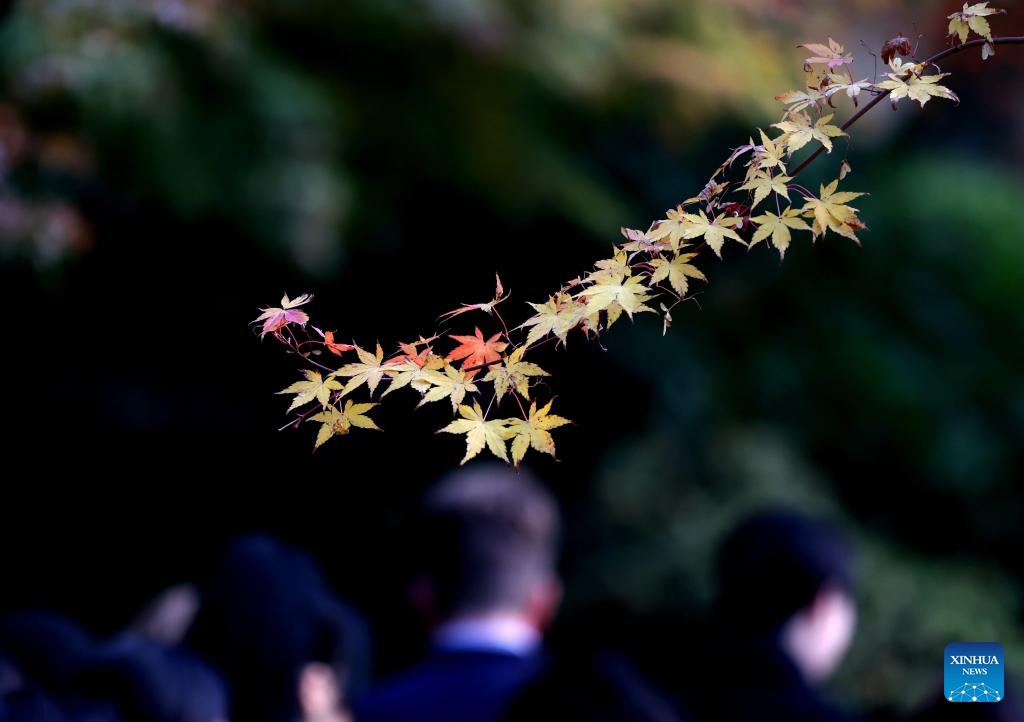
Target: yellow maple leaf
{"points": [[769, 154], [677, 271], [798, 131], [917, 87], [514, 373], [777, 227], [480, 432], [842, 84], [337, 423], [314, 387], [560, 315], [715, 231], [671, 229], [799, 99], [453, 384], [533, 432], [416, 372], [762, 184], [831, 212], [611, 269], [972, 18], [369, 370], [615, 296]]}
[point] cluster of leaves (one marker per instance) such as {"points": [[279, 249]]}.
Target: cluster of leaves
{"points": [[652, 266]]}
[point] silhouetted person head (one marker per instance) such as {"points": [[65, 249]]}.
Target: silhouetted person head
{"points": [[483, 551], [790, 577], [286, 645], [487, 545]]}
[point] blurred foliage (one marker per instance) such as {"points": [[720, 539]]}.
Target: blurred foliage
{"points": [[877, 386], [881, 385], [292, 119]]}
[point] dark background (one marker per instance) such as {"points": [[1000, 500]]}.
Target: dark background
{"points": [[169, 168]]}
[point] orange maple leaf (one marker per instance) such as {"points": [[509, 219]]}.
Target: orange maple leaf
{"points": [[412, 353], [336, 348], [475, 350]]}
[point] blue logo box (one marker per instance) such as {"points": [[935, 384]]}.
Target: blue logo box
{"points": [[973, 672]]}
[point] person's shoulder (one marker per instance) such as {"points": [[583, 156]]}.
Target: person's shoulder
{"points": [[395, 693], [476, 679]]}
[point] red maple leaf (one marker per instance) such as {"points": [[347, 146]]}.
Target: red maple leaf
{"points": [[475, 350]]}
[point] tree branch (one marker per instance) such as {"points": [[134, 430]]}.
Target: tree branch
{"points": [[1005, 40]]}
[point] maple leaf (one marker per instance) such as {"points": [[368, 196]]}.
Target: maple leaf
{"points": [[798, 131], [917, 87], [480, 432], [831, 55], [777, 227], [560, 315], [336, 348], [417, 372], [711, 189], [799, 99], [852, 89], [830, 211], [972, 17], [412, 352], [736, 153], [615, 296], [475, 350], [678, 271], [369, 370], [275, 318], [533, 432], [715, 231], [762, 184], [514, 373], [638, 241], [612, 269], [672, 229], [899, 45], [499, 296], [337, 423], [314, 387], [453, 384], [769, 154]]}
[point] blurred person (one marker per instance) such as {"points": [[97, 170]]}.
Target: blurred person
{"points": [[591, 687], [168, 615], [41, 655], [784, 619], [289, 649], [152, 682], [486, 586], [41, 648]]}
